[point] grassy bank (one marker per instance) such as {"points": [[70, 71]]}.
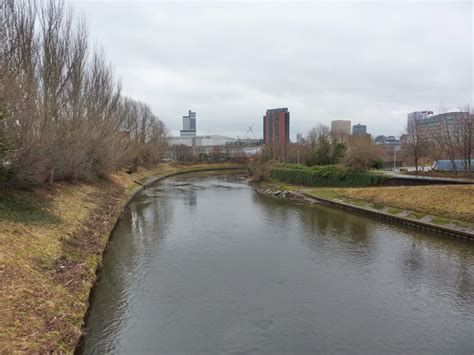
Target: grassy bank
{"points": [[51, 242], [452, 201], [438, 204]]}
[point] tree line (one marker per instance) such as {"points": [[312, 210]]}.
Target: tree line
{"points": [[452, 138], [320, 148], [62, 113]]}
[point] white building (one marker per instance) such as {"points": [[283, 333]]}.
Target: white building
{"points": [[205, 144], [201, 141]]}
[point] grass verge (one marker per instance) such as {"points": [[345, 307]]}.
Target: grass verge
{"points": [[443, 204], [449, 201]]}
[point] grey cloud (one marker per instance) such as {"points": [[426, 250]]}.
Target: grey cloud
{"points": [[365, 61]]}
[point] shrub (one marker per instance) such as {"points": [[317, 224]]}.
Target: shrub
{"points": [[328, 175], [260, 171]]}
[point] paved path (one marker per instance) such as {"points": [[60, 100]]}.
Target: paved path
{"points": [[428, 178]]}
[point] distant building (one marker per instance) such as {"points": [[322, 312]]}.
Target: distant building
{"points": [[360, 138], [299, 138], [206, 144], [380, 139], [429, 126], [388, 148], [189, 125], [404, 139], [417, 116], [276, 126], [340, 130], [359, 129], [390, 140], [201, 141]]}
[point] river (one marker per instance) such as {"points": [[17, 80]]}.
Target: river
{"points": [[203, 264]]}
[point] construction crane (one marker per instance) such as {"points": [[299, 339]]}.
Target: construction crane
{"points": [[247, 134]]}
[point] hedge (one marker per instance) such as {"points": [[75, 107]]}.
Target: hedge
{"points": [[329, 175]]}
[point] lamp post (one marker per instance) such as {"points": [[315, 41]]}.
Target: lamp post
{"points": [[395, 149], [394, 158]]}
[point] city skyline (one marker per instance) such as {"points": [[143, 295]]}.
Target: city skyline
{"points": [[366, 62], [352, 129]]}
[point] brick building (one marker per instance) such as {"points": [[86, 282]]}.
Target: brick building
{"points": [[276, 126]]}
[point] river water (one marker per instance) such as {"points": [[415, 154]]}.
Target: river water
{"points": [[203, 264]]}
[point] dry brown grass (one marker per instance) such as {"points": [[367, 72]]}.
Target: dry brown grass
{"points": [[32, 300], [51, 241], [454, 201]]}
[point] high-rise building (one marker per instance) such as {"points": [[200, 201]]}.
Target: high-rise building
{"points": [[359, 129], [276, 126], [427, 126], [189, 125], [340, 130], [299, 138], [416, 116]]}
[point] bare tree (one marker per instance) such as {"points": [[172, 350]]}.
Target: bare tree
{"points": [[463, 132], [63, 113], [317, 133], [182, 153], [361, 154], [445, 137], [416, 144], [215, 154]]}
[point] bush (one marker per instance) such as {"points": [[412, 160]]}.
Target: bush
{"points": [[378, 163], [260, 171], [329, 175]]}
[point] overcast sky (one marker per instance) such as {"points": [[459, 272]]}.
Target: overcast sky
{"points": [[368, 62]]}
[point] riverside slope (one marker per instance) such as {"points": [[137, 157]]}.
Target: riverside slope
{"points": [[51, 244], [388, 203]]}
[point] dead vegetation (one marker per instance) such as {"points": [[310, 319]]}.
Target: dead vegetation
{"points": [[453, 201], [62, 114]]}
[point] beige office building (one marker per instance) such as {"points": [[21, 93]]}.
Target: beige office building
{"points": [[340, 130]]}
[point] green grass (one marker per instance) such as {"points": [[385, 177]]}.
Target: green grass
{"points": [[445, 221], [24, 208], [323, 193], [416, 215], [378, 206], [395, 210], [441, 221], [460, 224], [353, 201], [132, 187], [331, 194]]}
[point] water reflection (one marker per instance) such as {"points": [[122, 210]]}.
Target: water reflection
{"points": [[205, 265], [323, 229], [449, 275]]}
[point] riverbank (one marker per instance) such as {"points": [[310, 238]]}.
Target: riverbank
{"points": [[442, 207], [51, 244]]}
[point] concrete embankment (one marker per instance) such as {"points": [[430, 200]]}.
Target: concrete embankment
{"points": [[451, 231]]}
